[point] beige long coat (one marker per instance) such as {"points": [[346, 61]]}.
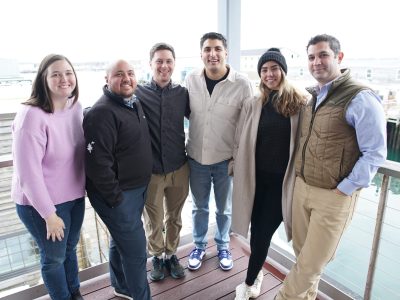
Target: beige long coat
{"points": [[243, 167]]}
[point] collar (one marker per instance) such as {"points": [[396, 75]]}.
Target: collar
{"points": [[126, 101], [156, 87], [315, 90], [231, 73], [130, 101]]}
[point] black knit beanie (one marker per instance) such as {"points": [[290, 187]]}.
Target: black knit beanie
{"points": [[275, 55]]}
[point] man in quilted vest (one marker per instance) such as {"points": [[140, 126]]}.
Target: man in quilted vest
{"points": [[342, 144]]}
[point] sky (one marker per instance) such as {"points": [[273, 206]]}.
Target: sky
{"points": [[102, 30], [365, 29], [105, 30]]}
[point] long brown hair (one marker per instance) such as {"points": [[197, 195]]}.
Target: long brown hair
{"points": [[40, 95], [289, 99]]}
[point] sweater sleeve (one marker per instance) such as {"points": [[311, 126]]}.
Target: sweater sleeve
{"points": [[100, 129], [238, 132], [29, 148]]}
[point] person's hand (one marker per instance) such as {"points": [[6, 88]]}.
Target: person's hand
{"points": [[337, 191], [231, 166], [55, 227]]}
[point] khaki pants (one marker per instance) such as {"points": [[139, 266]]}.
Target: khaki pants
{"points": [[320, 218], [166, 195]]}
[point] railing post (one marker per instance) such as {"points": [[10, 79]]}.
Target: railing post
{"points": [[377, 236], [96, 221]]}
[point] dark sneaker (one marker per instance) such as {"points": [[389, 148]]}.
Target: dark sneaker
{"points": [[195, 258], [122, 295], [174, 267], [76, 295], [225, 259], [157, 273]]}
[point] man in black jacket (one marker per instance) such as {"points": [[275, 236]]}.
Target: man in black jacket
{"points": [[118, 170]]}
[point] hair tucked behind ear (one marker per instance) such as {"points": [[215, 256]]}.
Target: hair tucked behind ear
{"points": [[289, 99]]}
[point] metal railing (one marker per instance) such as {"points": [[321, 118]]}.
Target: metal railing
{"points": [[19, 257], [390, 169], [99, 244]]}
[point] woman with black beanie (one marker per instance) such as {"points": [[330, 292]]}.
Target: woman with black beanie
{"points": [[263, 165]]}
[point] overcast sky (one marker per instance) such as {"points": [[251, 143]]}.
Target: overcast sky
{"points": [[104, 30]]}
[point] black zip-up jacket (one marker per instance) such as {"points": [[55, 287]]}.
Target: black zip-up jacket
{"points": [[118, 148]]}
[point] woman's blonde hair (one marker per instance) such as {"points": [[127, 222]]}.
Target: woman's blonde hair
{"points": [[288, 100]]}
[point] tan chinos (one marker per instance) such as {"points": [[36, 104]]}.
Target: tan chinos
{"points": [[320, 217], [166, 195]]}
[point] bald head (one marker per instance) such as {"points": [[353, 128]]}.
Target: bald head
{"points": [[115, 64], [121, 79]]}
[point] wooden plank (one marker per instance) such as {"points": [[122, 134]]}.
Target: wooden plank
{"points": [[169, 282], [209, 282], [269, 287], [238, 241], [270, 295], [184, 251], [208, 275], [102, 294], [95, 284], [93, 288]]}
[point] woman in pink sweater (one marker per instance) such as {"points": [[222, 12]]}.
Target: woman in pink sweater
{"points": [[49, 179]]}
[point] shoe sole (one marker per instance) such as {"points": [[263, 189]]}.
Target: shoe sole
{"points": [[156, 279], [225, 268], [177, 277], [194, 268]]}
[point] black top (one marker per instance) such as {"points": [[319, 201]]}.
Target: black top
{"points": [[165, 109], [212, 83], [118, 147], [273, 140]]}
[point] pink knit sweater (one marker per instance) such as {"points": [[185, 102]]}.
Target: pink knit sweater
{"points": [[48, 157]]}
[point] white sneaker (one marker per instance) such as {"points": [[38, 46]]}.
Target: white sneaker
{"points": [[245, 292], [257, 283], [196, 258], [225, 259]]}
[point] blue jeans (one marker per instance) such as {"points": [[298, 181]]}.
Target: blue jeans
{"points": [[59, 264], [201, 177], [128, 245]]}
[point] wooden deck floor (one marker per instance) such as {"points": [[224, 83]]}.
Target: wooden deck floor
{"points": [[207, 283]]}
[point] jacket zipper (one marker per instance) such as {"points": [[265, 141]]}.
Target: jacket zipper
{"points": [[303, 154]]}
